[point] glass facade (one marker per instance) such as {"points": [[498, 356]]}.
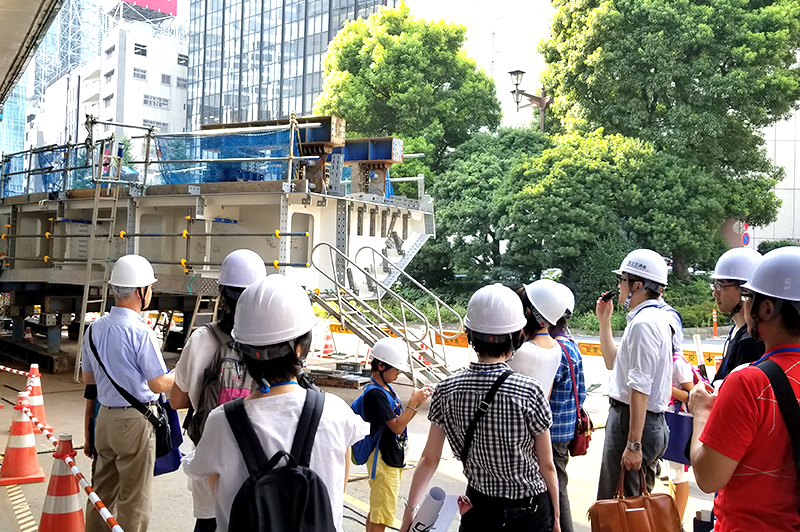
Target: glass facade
{"points": [[261, 59], [12, 136]]}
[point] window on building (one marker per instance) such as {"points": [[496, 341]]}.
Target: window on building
{"points": [[183, 59], [166, 80], [139, 73], [155, 101], [109, 76], [163, 126], [107, 101], [110, 51], [140, 49], [181, 83]]}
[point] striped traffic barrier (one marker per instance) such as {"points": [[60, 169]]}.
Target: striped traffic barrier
{"points": [[62, 511], [15, 371], [35, 397], [20, 464]]}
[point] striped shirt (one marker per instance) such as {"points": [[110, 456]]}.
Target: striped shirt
{"points": [[501, 461], [562, 398]]}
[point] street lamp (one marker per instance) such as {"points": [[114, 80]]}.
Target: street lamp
{"points": [[542, 101]]}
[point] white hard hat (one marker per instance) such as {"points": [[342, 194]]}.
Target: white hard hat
{"points": [[133, 271], [495, 310], [736, 264], [568, 298], [271, 311], [547, 299], [645, 263], [392, 351], [241, 268], [777, 274]]}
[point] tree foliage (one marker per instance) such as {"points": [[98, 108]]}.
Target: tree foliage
{"points": [[470, 207], [695, 79], [394, 74], [588, 200]]}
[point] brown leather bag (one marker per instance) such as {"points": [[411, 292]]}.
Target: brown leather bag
{"points": [[643, 513]]}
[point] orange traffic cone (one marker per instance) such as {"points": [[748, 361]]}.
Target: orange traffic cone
{"points": [[28, 335], [420, 357], [35, 398], [20, 464], [327, 350], [63, 511], [368, 358]]}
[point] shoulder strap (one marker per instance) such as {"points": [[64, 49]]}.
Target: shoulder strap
{"points": [[134, 402], [483, 407], [574, 381], [249, 445], [212, 330], [307, 427], [787, 402]]}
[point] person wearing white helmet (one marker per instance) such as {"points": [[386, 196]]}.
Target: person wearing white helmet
{"points": [[539, 356], [641, 374], [741, 447], [383, 410], [210, 371], [568, 377], [730, 273], [124, 439], [497, 423], [273, 331]]}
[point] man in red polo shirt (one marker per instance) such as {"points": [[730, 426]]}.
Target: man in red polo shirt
{"points": [[740, 446]]}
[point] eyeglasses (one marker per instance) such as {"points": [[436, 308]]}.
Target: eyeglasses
{"points": [[622, 280], [716, 286], [746, 295]]}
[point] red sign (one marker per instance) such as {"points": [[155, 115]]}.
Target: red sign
{"points": [[745, 239], [168, 7]]}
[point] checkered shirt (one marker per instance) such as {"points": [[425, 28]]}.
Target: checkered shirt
{"points": [[501, 461], [562, 399]]}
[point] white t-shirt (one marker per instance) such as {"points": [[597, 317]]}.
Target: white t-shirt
{"points": [[275, 420], [644, 358], [537, 362], [681, 372], [195, 358]]}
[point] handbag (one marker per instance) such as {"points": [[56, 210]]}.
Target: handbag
{"points": [[162, 421], [680, 435], [579, 445], [645, 512]]}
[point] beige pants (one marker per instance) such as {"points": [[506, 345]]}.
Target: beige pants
{"points": [[123, 478]]}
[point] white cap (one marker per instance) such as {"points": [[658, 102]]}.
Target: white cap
{"points": [[495, 309], [241, 268], [548, 300], [392, 351], [271, 311], [645, 263], [736, 264], [777, 274], [133, 271]]}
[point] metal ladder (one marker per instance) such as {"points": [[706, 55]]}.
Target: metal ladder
{"points": [[212, 302], [364, 312], [95, 290]]}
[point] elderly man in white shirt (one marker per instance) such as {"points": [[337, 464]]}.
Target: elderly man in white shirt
{"points": [[641, 375]]}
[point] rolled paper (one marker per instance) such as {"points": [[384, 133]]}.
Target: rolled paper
{"points": [[428, 511]]}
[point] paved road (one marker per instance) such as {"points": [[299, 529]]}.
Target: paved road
{"points": [[172, 506]]}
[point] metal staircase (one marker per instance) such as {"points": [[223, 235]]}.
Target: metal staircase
{"points": [[372, 310]]}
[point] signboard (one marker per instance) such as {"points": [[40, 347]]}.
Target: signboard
{"points": [[745, 239], [168, 7]]}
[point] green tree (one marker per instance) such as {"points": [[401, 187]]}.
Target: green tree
{"points": [[471, 192], [695, 79], [766, 246], [594, 198], [393, 74], [127, 153]]}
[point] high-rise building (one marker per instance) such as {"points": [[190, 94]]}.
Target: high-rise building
{"points": [[261, 59]]}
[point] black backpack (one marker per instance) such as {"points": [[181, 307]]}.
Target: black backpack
{"points": [[289, 498]]}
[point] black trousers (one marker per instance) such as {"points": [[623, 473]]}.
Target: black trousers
{"points": [[532, 514]]}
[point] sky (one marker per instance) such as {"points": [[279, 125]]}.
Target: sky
{"points": [[502, 35]]}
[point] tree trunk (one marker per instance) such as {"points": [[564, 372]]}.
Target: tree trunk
{"points": [[679, 268]]}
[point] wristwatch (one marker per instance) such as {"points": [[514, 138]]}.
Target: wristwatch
{"points": [[635, 446]]}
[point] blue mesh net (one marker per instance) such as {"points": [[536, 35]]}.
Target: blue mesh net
{"points": [[14, 184], [52, 181], [223, 146]]}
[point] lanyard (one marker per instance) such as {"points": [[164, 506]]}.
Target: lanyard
{"points": [[396, 400], [777, 352]]}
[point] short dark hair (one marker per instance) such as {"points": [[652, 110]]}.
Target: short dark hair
{"points": [[490, 349], [651, 294], [282, 368], [532, 324], [376, 364]]}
